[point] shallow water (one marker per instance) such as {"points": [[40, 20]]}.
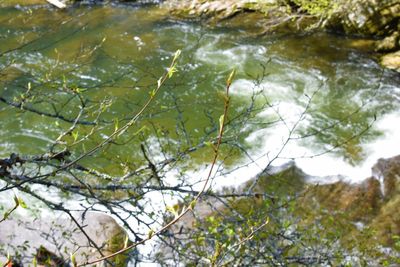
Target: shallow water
{"points": [[331, 107]]}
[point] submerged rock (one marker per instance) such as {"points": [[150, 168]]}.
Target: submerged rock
{"points": [[387, 171], [360, 220], [374, 202], [358, 201]]}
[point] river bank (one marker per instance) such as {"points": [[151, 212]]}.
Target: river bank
{"points": [[376, 21]]}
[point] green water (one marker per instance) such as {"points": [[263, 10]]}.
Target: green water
{"points": [[114, 55]]}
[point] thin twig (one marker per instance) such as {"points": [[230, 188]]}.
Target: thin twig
{"points": [[196, 198]]}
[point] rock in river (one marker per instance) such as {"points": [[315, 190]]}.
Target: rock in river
{"points": [[53, 239]]}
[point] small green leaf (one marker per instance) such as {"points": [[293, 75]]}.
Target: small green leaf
{"points": [[171, 71], [230, 78], [75, 135], [150, 234], [177, 54], [22, 203], [116, 124], [173, 210], [192, 204], [230, 232], [153, 93], [73, 260]]}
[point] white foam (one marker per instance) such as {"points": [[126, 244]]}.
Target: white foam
{"points": [[268, 142], [228, 58]]}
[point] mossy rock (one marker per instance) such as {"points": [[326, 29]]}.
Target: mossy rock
{"points": [[367, 17], [116, 243]]}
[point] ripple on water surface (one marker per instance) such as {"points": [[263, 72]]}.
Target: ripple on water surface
{"points": [[317, 83]]}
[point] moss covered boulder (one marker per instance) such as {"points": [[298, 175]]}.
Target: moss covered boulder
{"points": [[367, 17]]}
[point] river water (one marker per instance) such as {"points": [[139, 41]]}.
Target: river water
{"points": [[117, 53], [314, 99]]}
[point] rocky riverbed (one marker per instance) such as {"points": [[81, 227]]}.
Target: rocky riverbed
{"points": [[371, 204], [360, 220]]}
